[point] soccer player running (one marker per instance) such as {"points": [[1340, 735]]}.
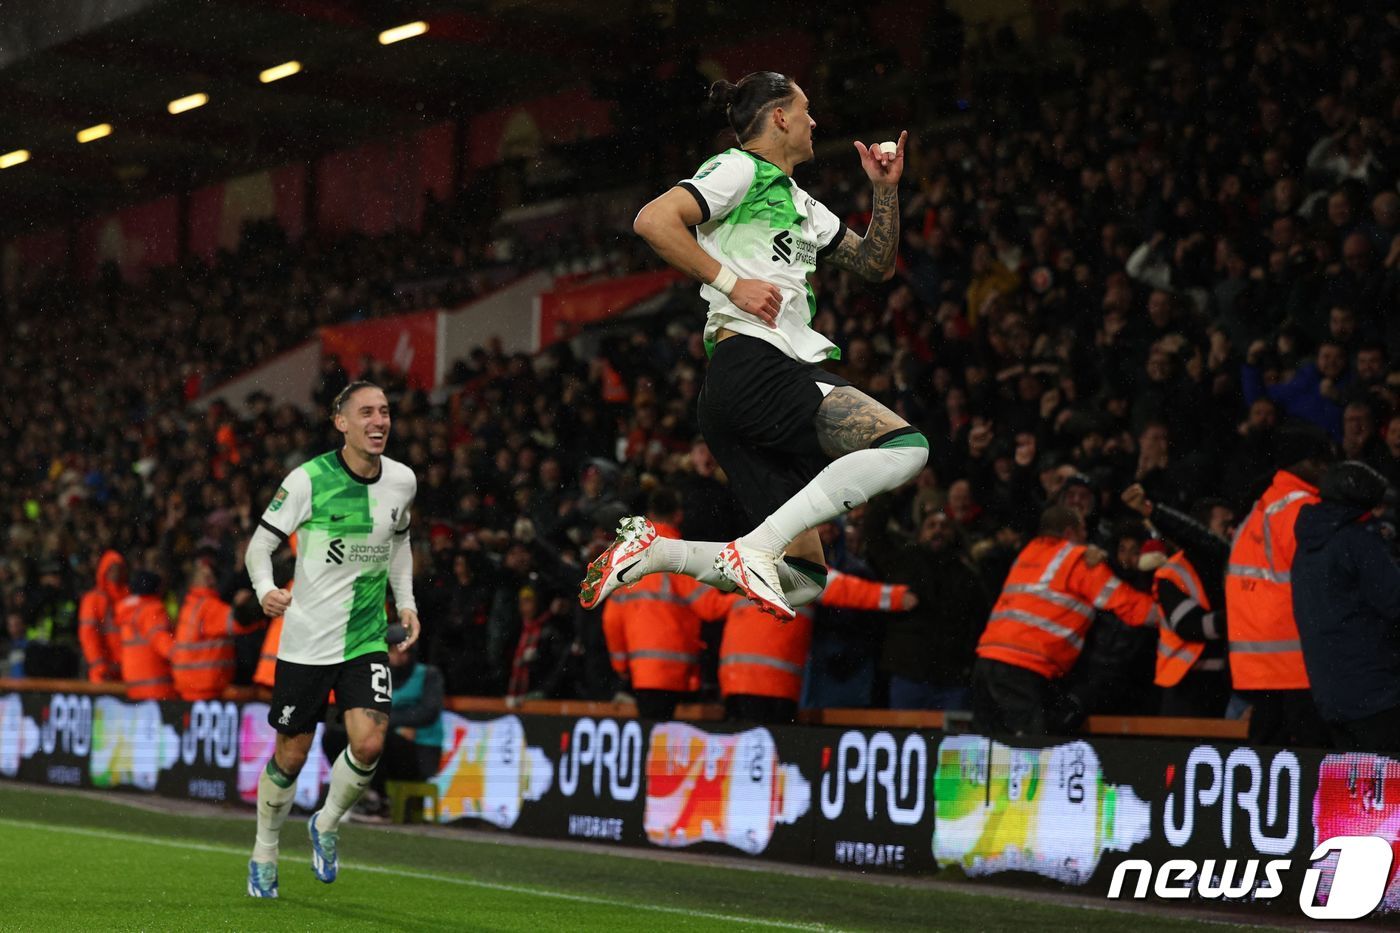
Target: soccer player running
{"points": [[800, 445], [350, 511]]}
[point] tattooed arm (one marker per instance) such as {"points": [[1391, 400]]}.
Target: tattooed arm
{"points": [[872, 256]]}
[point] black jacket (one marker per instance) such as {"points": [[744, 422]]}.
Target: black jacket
{"points": [[1207, 553], [1346, 600]]}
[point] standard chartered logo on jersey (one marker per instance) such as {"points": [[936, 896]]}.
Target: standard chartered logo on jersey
{"points": [[338, 552]]}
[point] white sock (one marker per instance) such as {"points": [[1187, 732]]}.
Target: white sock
{"points": [[691, 558], [845, 483], [349, 779], [275, 793]]}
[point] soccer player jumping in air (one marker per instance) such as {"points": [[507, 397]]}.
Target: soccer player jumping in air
{"points": [[800, 445], [350, 511]]}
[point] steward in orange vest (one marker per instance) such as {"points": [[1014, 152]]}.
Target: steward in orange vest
{"points": [[1037, 627], [146, 641], [266, 672], [98, 632], [202, 658], [762, 661], [1266, 656], [1190, 639], [1190, 592], [653, 633]]}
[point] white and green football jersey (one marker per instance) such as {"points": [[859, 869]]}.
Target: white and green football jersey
{"points": [[761, 225], [345, 526]]}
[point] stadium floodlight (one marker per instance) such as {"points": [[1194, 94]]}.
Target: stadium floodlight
{"points": [[11, 159], [94, 132], [181, 104], [278, 72], [406, 31]]}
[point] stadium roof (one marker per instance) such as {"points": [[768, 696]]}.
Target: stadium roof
{"points": [[125, 65]]}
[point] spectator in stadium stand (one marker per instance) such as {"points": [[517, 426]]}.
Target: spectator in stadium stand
{"points": [[653, 626], [761, 663], [1346, 598], [546, 660], [1387, 460], [1316, 391], [202, 657], [928, 651], [1038, 623], [1266, 658], [457, 598], [53, 624], [1189, 588], [16, 641], [98, 633], [146, 640]]}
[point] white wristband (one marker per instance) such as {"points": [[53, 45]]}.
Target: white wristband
{"points": [[725, 280]]}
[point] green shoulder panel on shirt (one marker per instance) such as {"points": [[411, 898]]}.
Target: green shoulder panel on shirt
{"points": [[768, 200]]}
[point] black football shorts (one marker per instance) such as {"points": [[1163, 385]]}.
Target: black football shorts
{"points": [[301, 692], [757, 410]]}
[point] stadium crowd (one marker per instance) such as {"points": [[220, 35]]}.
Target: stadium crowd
{"points": [[1175, 272]]}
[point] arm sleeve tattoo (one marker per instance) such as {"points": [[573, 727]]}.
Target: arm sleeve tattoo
{"points": [[872, 256]]}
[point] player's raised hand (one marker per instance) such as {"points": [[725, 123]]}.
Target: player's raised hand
{"points": [[883, 168], [759, 298], [275, 603], [411, 625]]}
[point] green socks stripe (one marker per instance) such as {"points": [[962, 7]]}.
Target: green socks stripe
{"points": [[354, 765], [278, 776], [912, 439], [809, 569]]}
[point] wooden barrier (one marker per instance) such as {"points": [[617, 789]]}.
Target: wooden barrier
{"points": [[53, 685], [1168, 727], [953, 721]]}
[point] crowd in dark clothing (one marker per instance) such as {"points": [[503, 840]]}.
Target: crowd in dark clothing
{"points": [[1134, 271]]}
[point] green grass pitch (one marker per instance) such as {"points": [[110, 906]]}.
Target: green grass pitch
{"points": [[75, 862]]}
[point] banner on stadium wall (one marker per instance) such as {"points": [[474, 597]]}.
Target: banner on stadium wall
{"points": [[565, 309], [408, 343], [137, 239], [1162, 821]]}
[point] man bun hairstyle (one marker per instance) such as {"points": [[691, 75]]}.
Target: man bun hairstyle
{"points": [[749, 102], [344, 394]]}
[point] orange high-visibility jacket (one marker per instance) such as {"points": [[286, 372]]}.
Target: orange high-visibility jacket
{"points": [[202, 659], [266, 672], [98, 631], [1047, 605], [653, 627], [1265, 653], [760, 656], [1176, 655], [146, 644]]}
